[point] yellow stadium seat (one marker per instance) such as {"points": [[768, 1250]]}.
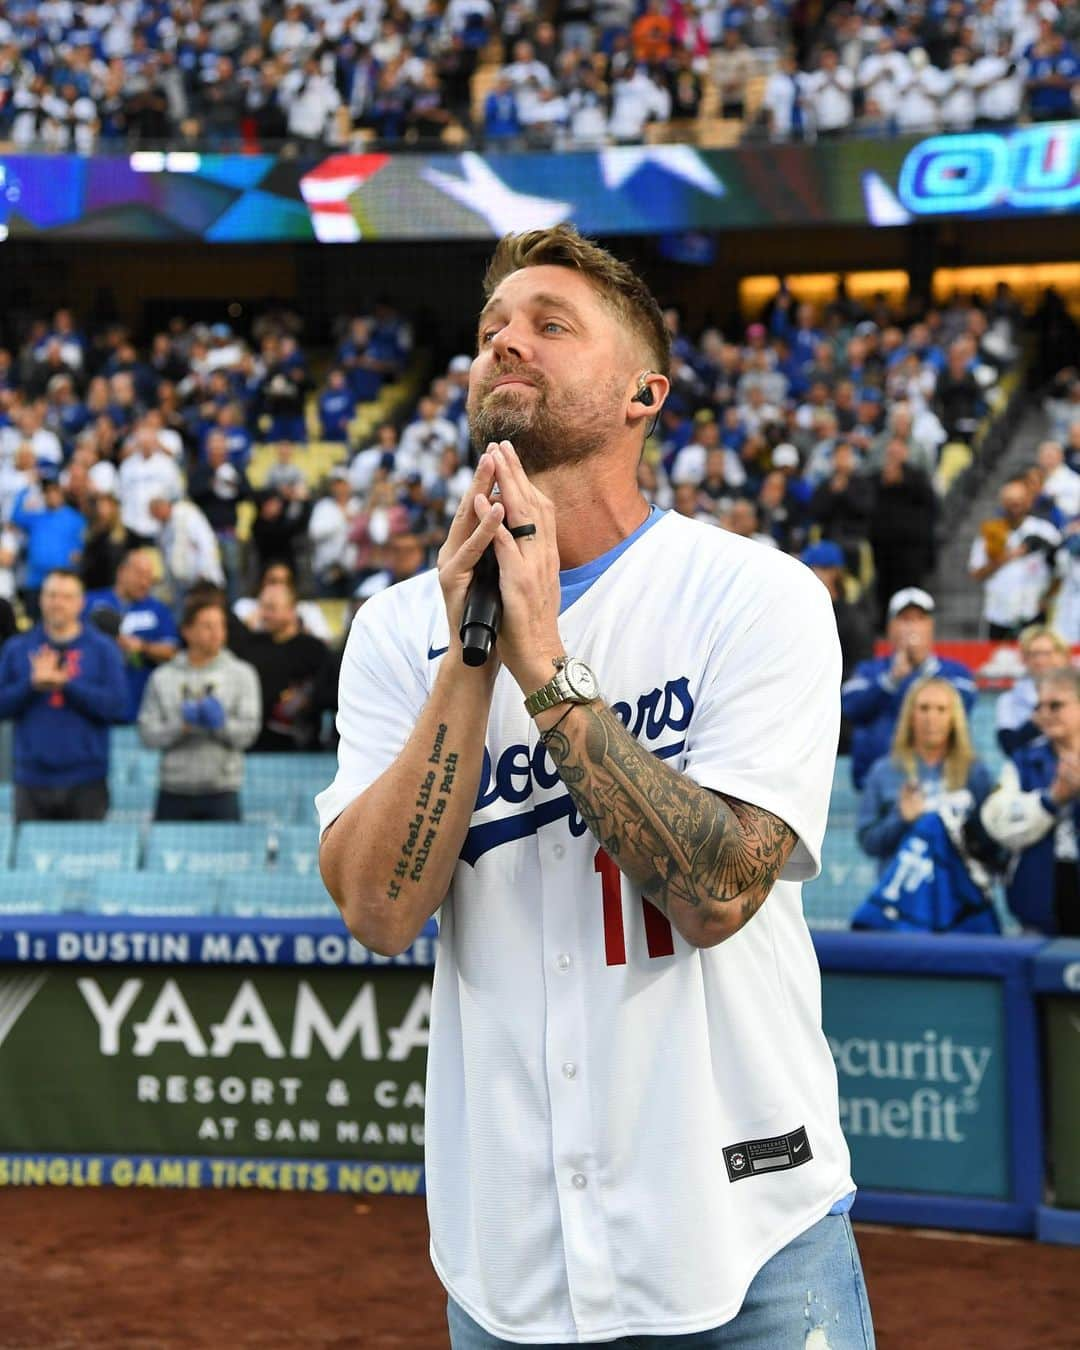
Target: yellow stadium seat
{"points": [[955, 458], [719, 133], [334, 612]]}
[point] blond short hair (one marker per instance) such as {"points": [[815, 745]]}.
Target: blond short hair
{"points": [[1034, 631], [616, 283]]}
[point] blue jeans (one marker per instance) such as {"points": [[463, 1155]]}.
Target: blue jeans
{"points": [[814, 1284]]}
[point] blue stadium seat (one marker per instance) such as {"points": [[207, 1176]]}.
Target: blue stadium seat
{"points": [[296, 850], [318, 767], [847, 876], [305, 813], [271, 803], [131, 803], [76, 849], [843, 798], [32, 893], [153, 893], [124, 737], [210, 847], [277, 897], [134, 764]]}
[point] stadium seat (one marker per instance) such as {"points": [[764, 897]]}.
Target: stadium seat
{"points": [[296, 850], [125, 737], [270, 803], [847, 876], [305, 813], [844, 800], [203, 848], [76, 849], [299, 768], [32, 893], [152, 893], [134, 764], [277, 897], [131, 803]]}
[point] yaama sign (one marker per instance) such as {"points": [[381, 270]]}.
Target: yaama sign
{"points": [[273, 1063]]}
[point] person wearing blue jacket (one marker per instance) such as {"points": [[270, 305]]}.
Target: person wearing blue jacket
{"points": [[1035, 812], [932, 767], [63, 685], [54, 534], [871, 699]]}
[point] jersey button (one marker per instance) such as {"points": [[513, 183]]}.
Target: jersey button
{"points": [[569, 1070], [559, 852], [580, 1181], [563, 962]]}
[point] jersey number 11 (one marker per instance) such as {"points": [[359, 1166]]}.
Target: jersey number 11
{"points": [[658, 937]]}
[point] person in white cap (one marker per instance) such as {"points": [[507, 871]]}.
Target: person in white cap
{"points": [[871, 699]]}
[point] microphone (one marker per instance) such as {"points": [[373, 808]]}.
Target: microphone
{"points": [[482, 615]]}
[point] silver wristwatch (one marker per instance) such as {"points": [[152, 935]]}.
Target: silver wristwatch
{"points": [[573, 682]]}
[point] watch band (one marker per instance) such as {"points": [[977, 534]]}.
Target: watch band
{"points": [[564, 687], [550, 695]]}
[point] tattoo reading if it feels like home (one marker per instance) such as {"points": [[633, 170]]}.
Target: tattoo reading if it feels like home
{"points": [[437, 784]]}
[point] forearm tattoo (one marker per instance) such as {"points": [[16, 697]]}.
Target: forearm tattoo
{"points": [[679, 843], [428, 810]]}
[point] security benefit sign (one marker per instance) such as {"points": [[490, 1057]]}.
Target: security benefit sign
{"points": [[922, 1081], [272, 1063]]}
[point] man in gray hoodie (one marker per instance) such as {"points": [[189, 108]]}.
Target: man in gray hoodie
{"points": [[202, 709]]}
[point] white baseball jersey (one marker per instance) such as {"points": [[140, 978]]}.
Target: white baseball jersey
{"points": [[621, 1128]]}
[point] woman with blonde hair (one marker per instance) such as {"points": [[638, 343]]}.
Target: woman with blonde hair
{"points": [[932, 768]]}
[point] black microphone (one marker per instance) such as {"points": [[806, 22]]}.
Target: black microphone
{"points": [[482, 615]]}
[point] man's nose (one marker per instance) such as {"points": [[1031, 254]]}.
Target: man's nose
{"points": [[513, 340]]}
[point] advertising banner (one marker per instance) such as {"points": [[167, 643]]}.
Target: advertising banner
{"points": [[347, 197], [921, 1064], [266, 1063]]}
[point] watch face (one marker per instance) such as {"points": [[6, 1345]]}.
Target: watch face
{"points": [[581, 679]]}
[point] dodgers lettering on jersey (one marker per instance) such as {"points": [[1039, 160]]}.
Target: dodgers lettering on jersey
{"points": [[587, 1067], [520, 769]]}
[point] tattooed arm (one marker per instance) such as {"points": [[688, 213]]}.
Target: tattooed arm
{"points": [[388, 859], [705, 860], [389, 856]]}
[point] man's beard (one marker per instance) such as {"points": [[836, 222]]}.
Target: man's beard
{"points": [[543, 437]]}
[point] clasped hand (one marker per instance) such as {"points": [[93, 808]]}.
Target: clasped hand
{"points": [[1066, 784], [48, 669], [528, 567], [206, 714]]}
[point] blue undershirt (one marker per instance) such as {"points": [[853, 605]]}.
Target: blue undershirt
{"points": [[575, 581]]}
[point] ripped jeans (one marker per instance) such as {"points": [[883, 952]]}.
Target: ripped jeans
{"points": [[810, 1296]]}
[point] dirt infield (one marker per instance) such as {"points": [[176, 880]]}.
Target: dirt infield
{"points": [[123, 1270]]}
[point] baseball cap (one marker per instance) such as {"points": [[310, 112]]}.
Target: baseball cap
{"points": [[823, 554], [785, 456], [911, 595]]}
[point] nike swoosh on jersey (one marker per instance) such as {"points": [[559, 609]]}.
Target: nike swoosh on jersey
{"points": [[433, 652]]}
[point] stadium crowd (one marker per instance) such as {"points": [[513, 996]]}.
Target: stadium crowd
{"points": [[221, 502], [227, 74]]}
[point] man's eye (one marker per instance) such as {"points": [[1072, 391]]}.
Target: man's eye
{"points": [[487, 335], [552, 323]]}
